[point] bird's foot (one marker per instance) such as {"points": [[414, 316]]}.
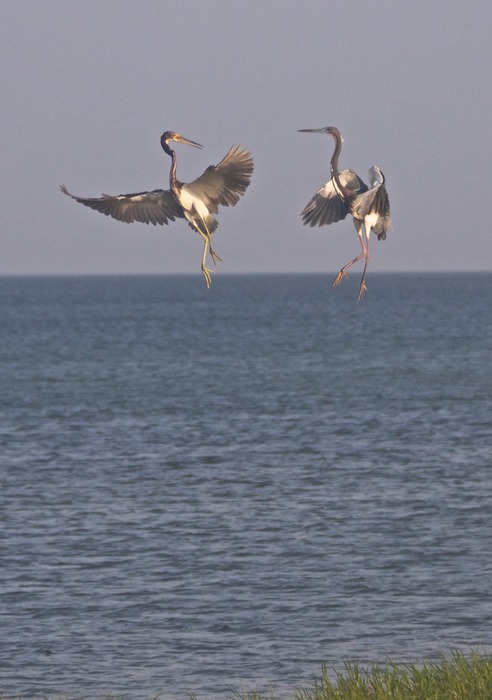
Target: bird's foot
{"points": [[208, 276], [340, 276], [215, 257], [362, 291]]}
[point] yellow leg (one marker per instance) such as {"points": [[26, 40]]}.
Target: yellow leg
{"points": [[206, 240], [214, 255], [205, 270]]}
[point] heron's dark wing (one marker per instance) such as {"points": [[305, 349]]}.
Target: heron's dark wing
{"points": [[224, 183], [326, 207], [156, 207]]}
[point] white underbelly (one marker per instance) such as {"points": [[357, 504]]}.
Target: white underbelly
{"points": [[371, 220], [192, 205]]}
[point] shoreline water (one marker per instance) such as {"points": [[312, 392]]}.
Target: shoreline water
{"points": [[455, 676]]}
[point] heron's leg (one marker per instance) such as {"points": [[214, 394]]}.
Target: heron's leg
{"points": [[214, 255], [363, 288], [343, 271], [205, 270]]}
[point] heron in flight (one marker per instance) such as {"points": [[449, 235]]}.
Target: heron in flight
{"points": [[196, 201], [346, 193]]}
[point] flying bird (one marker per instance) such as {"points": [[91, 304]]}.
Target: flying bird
{"points": [[347, 193], [196, 201]]}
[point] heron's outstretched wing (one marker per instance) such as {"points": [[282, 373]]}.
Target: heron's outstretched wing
{"points": [[156, 207], [326, 207], [224, 183]]}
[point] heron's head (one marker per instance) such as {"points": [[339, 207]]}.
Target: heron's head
{"points": [[168, 136], [331, 130]]}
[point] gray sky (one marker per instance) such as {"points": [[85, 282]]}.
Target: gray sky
{"points": [[88, 88]]}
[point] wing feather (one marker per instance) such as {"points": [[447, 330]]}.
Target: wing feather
{"points": [[374, 201], [156, 207], [223, 184], [327, 207]]}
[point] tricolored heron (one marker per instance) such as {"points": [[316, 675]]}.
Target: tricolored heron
{"points": [[197, 201], [345, 192]]}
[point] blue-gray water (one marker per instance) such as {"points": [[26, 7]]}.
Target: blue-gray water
{"points": [[209, 491]]}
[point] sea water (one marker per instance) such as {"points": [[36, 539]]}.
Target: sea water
{"points": [[205, 491]]}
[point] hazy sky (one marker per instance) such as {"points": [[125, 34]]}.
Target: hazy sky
{"points": [[88, 88]]}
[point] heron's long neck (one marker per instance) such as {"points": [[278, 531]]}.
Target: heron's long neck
{"points": [[173, 183], [344, 192]]}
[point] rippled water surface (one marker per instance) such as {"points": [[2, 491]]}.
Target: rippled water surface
{"points": [[213, 491]]}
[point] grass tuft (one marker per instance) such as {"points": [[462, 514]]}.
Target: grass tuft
{"points": [[460, 677]]}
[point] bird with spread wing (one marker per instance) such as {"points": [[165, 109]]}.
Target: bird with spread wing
{"points": [[197, 202]]}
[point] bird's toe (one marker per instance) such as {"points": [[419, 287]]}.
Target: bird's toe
{"points": [[362, 291], [216, 258], [207, 275], [339, 277]]}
